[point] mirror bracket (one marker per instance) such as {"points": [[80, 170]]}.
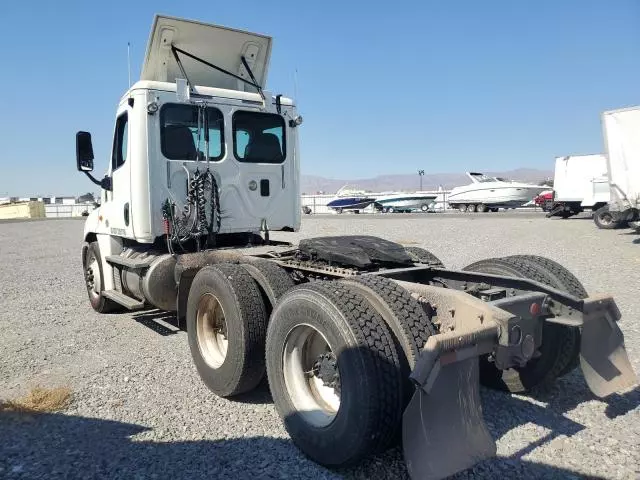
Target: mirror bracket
{"points": [[105, 183]]}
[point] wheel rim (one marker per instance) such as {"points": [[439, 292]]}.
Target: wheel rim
{"points": [[92, 276], [605, 218], [424, 208], [311, 375], [211, 328]]}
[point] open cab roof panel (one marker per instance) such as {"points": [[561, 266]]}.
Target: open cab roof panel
{"points": [[220, 46]]}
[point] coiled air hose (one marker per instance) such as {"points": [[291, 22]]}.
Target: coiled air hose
{"points": [[194, 222]]}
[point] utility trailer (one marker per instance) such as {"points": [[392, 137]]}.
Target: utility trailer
{"points": [[364, 342], [622, 148], [580, 183]]}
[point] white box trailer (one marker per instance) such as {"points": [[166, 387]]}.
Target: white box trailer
{"points": [[580, 183], [621, 131]]}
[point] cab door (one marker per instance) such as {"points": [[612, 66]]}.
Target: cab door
{"points": [[119, 199]]}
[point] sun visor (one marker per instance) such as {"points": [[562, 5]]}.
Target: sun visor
{"points": [[220, 46]]}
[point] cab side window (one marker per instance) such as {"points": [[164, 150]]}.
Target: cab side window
{"points": [[120, 140]]}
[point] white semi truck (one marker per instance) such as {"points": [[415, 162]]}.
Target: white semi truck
{"points": [[622, 147], [362, 340], [580, 183]]}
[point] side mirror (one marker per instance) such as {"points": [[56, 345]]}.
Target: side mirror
{"points": [[84, 152]]}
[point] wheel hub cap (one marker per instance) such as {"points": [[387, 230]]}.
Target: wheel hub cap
{"points": [[326, 369], [92, 277], [211, 330], [311, 375]]}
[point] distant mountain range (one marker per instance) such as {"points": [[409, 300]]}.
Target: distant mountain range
{"points": [[311, 184]]}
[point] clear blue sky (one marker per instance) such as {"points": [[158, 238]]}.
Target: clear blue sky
{"points": [[384, 88]]}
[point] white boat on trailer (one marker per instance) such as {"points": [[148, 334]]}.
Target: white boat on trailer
{"points": [[404, 202], [486, 193]]}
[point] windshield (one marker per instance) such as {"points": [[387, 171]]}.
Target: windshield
{"points": [[480, 177], [179, 133]]}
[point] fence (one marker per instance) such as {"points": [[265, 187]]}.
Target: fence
{"points": [[318, 203], [65, 211]]}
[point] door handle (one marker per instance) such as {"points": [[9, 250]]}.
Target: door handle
{"points": [[126, 214]]}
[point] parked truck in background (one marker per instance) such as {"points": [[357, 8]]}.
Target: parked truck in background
{"points": [[580, 183], [621, 132], [544, 200]]}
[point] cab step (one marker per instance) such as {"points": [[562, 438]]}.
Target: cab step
{"points": [[129, 262], [120, 298]]}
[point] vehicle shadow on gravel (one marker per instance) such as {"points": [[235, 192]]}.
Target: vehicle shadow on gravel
{"points": [[572, 390], [65, 446], [261, 395], [161, 322]]}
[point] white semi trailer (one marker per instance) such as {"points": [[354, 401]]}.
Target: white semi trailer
{"points": [[361, 338], [580, 183], [622, 147]]}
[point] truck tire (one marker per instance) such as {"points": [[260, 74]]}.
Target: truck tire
{"points": [[462, 208], [405, 317], [226, 328], [94, 280], [420, 255], [333, 373], [559, 277], [563, 279], [603, 219], [273, 280], [556, 349]]}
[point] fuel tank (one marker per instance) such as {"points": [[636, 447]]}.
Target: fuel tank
{"points": [[155, 283]]}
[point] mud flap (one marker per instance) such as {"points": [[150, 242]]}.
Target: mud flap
{"points": [[603, 358], [443, 431]]}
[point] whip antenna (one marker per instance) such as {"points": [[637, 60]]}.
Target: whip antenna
{"points": [[129, 62]]}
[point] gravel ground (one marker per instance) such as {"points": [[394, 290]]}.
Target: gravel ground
{"points": [[140, 411]]}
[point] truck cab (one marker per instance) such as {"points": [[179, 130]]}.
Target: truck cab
{"points": [[198, 107]]}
